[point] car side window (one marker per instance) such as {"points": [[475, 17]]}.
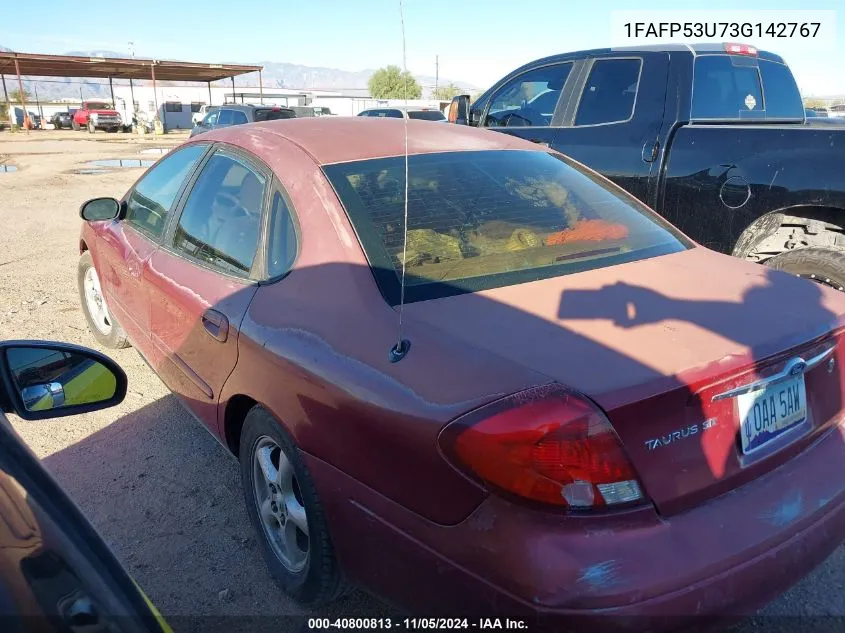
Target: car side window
{"points": [[610, 92], [238, 117], [221, 220], [224, 117], [210, 120], [282, 243], [152, 198], [529, 99]]}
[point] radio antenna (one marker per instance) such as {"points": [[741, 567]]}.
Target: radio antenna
{"points": [[398, 351]]}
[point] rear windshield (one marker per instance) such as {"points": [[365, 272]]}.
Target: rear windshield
{"points": [[272, 115], [426, 115], [741, 87], [487, 219]]}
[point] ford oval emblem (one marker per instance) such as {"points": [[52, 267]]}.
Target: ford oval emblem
{"points": [[798, 368]]}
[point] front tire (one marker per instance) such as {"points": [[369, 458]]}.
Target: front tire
{"points": [[103, 326], [286, 513], [823, 265], [75, 126], [91, 128]]}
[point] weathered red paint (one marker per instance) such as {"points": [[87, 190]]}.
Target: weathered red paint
{"points": [[648, 341]]}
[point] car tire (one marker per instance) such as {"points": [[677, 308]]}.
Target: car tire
{"points": [[823, 265], [91, 128], [113, 336], [75, 126], [319, 581]]}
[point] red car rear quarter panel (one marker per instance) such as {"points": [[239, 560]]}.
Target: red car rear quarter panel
{"points": [[314, 350]]}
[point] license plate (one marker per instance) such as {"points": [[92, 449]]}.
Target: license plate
{"points": [[766, 413]]}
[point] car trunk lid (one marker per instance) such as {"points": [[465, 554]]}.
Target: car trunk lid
{"points": [[653, 342]]}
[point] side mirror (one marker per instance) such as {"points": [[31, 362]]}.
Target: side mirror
{"points": [[99, 209], [41, 379], [459, 110]]}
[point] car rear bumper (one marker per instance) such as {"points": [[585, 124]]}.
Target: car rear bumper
{"points": [[629, 571]]}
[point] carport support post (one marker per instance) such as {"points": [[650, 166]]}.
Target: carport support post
{"points": [[111, 89], [261, 87], [155, 92], [20, 88], [234, 99], [8, 103], [132, 96], [209, 92]]}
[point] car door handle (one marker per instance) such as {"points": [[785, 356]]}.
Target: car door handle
{"points": [[216, 324]]}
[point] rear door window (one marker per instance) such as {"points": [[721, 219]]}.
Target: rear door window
{"points": [[225, 117], [221, 220], [150, 202], [426, 115], [781, 95], [610, 92], [727, 87], [491, 218], [239, 117], [529, 99], [269, 114]]}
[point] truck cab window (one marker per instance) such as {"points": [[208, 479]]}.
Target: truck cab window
{"points": [[529, 99], [610, 92], [726, 87]]}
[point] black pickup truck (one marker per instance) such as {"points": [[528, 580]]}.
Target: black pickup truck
{"points": [[713, 137]]}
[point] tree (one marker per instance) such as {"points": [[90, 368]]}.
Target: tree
{"points": [[814, 103], [15, 96], [391, 83], [445, 93]]}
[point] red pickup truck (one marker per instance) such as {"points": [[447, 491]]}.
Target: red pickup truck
{"points": [[96, 115]]}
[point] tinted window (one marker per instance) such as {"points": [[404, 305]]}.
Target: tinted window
{"points": [[97, 105], [393, 114], [221, 220], [529, 99], [281, 246], [491, 218], [610, 92], [782, 98], [273, 115], [172, 106], [239, 117], [153, 196], [726, 87], [196, 106], [225, 117], [426, 115]]}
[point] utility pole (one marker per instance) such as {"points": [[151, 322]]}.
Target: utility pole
{"points": [[436, 73]]}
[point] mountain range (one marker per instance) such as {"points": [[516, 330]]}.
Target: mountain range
{"points": [[275, 75]]}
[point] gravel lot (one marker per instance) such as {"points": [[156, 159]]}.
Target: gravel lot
{"points": [[164, 494]]}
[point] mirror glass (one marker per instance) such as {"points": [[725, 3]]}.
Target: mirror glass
{"points": [[100, 209], [54, 378]]}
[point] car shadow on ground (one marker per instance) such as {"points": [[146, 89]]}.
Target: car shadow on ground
{"points": [[168, 499]]}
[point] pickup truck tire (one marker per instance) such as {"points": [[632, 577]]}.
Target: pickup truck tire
{"points": [[74, 126], [823, 265], [108, 334]]}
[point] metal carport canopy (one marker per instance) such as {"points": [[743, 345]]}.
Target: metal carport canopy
{"points": [[35, 65]]}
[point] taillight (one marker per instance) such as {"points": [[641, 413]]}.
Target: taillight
{"points": [[741, 49], [548, 445]]}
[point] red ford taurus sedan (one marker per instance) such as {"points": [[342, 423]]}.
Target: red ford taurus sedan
{"points": [[566, 409]]}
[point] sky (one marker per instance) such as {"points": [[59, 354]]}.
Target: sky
{"points": [[476, 41]]}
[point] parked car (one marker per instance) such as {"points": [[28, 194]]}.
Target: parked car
{"points": [[310, 111], [423, 114], [229, 115], [204, 110], [56, 573], [61, 120], [684, 129], [33, 117], [97, 115], [577, 398]]}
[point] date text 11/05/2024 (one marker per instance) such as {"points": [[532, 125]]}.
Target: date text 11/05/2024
{"points": [[417, 624]]}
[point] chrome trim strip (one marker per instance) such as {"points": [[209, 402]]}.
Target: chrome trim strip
{"points": [[786, 373]]}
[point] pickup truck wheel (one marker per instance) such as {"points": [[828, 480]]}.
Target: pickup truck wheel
{"points": [[286, 512], [102, 324], [74, 126], [823, 265], [91, 128]]}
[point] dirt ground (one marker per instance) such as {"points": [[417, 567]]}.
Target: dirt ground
{"points": [[163, 493]]}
